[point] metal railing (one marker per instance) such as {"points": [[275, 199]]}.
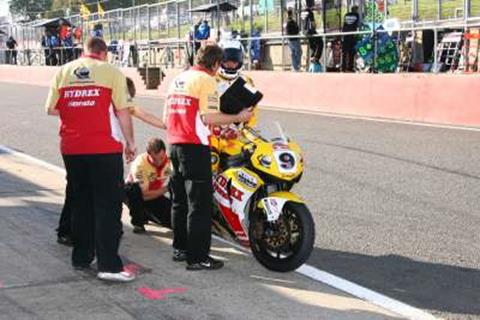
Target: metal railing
{"points": [[173, 19], [177, 53]]}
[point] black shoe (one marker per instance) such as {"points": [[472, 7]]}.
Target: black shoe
{"points": [[139, 229], [65, 240], [207, 264], [179, 255], [82, 267]]}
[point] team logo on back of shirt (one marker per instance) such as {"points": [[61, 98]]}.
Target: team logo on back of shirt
{"points": [[82, 73]]}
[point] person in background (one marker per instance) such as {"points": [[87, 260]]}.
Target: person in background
{"points": [[12, 50], [68, 45], [315, 43], [350, 24], [46, 50], [53, 45], [203, 31], [292, 29], [255, 48], [97, 31], [77, 33], [195, 40]]}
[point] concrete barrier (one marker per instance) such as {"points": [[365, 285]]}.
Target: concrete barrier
{"points": [[442, 98]]}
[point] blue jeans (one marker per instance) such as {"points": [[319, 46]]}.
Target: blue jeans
{"points": [[296, 52]]}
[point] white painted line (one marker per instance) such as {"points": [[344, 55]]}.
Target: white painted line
{"points": [[366, 118], [331, 280], [25, 156], [364, 293]]}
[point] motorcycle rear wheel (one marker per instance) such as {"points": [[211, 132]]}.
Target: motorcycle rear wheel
{"points": [[287, 244]]}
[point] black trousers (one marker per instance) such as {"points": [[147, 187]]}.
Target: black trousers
{"points": [[65, 223], [316, 48], [96, 183], [157, 210], [348, 53], [192, 200]]}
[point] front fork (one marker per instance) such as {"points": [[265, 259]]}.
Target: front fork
{"points": [[270, 205]]}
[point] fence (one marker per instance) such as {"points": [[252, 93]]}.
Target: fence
{"points": [[175, 53], [173, 19]]}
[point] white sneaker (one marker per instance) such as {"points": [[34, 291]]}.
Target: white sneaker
{"points": [[123, 276]]}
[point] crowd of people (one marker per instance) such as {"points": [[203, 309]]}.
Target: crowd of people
{"points": [[201, 33], [61, 44], [94, 101], [308, 29]]}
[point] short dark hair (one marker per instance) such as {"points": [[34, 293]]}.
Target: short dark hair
{"points": [[209, 55], [96, 45], [155, 145], [131, 87]]}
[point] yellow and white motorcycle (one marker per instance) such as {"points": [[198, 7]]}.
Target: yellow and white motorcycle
{"points": [[255, 204]]}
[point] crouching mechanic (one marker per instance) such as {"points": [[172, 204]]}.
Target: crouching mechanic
{"points": [[147, 184], [224, 138]]}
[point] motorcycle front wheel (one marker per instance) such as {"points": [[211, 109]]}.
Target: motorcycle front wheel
{"points": [[283, 245]]}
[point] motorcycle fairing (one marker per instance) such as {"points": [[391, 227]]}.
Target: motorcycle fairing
{"points": [[233, 190], [274, 203]]}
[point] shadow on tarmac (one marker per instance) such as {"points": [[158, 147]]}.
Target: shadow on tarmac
{"points": [[37, 272], [428, 286], [14, 186]]}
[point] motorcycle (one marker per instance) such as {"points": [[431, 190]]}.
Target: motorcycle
{"points": [[254, 202]]}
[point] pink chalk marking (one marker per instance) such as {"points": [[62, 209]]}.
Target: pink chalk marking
{"points": [[153, 294], [1, 284]]}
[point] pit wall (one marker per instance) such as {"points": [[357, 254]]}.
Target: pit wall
{"points": [[442, 98]]}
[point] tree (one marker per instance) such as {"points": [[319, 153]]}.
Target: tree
{"points": [[59, 8], [29, 9]]}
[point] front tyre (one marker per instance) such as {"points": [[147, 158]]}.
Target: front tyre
{"points": [[283, 245]]}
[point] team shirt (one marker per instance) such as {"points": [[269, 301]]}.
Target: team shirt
{"points": [[192, 94], [87, 93], [147, 174]]}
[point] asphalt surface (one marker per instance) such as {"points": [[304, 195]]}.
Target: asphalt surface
{"points": [[396, 206], [38, 282]]}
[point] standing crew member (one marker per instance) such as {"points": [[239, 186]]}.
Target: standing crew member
{"points": [[90, 96], [64, 224], [192, 105]]}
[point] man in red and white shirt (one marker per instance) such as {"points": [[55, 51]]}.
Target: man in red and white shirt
{"points": [[147, 184], [89, 95], [192, 105]]}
